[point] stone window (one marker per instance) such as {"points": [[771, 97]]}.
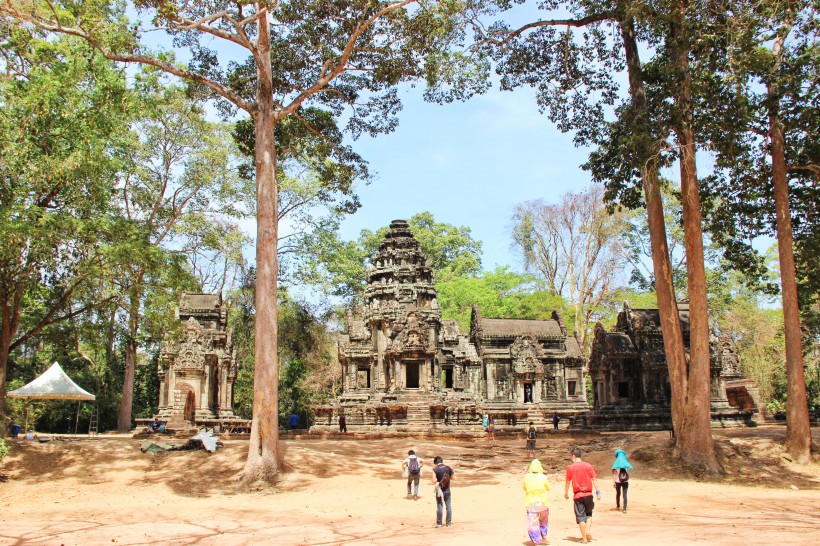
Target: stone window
{"points": [[571, 386], [623, 389]]}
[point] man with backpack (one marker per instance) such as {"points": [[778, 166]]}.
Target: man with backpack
{"points": [[531, 439], [442, 475], [412, 467]]}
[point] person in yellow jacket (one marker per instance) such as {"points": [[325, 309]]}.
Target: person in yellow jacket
{"points": [[538, 512]]}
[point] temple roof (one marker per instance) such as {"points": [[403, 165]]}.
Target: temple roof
{"points": [[619, 342], [652, 317], [190, 301], [500, 327], [573, 348]]}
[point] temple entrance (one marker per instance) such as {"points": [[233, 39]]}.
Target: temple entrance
{"points": [[528, 393], [447, 378], [363, 378], [189, 412], [213, 381], [411, 375]]}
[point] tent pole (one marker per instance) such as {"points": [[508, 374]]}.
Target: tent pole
{"points": [[77, 419], [25, 423]]}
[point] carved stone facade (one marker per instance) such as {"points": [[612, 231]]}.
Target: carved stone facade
{"points": [[630, 378], [197, 374], [406, 368]]}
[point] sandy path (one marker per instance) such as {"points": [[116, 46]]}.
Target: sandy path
{"points": [[350, 492]]}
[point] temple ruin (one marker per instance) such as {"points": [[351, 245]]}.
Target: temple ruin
{"points": [[197, 374], [630, 379], [406, 369]]}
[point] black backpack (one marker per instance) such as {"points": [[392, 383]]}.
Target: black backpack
{"points": [[531, 433], [413, 466], [623, 475]]}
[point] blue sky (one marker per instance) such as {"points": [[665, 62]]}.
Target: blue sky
{"points": [[468, 164]]}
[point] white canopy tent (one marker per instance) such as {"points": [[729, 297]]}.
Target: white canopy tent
{"points": [[53, 384]]}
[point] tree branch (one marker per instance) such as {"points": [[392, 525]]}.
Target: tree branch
{"points": [[55, 26]]}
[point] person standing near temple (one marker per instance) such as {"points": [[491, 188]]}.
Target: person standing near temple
{"points": [[581, 475], [531, 435], [555, 419], [620, 477], [411, 466], [293, 422], [442, 475], [536, 486], [342, 423], [491, 429]]}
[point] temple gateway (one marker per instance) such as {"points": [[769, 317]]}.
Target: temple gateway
{"points": [[197, 374], [406, 369]]}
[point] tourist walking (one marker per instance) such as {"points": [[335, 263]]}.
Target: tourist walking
{"points": [[620, 477], [531, 434], [293, 422], [491, 429], [536, 486], [343, 423], [581, 475], [442, 475], [555, 419], [411, 467]]}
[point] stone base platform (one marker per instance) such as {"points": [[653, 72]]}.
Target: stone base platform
{"points": [[446, 414], [655, 417]]}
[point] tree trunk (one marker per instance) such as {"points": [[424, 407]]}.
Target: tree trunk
{"points": [[798, 427], [127, 400], [4, 358], [673, 346], [262, 464], [9, 321], [694, 445]]}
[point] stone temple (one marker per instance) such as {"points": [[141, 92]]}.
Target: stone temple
{"points": [[197, 374], [630, 378], [406, 369]]}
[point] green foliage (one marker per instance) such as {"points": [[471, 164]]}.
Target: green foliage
{"points": [[4, 449], [745, 83], [498, 294], [309, 373]]}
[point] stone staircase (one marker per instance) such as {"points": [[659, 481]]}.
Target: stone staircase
{"points": [[418, 416]]}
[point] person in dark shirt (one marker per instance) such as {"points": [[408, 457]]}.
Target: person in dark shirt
{"points": [[293, 422], [442, 490]]}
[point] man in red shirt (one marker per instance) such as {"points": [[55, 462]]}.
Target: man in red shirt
{"points": [[582, 477]]}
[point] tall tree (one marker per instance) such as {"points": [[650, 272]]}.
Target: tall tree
{"points": [[639, 247], [573, 73], [180, 166], [759, 114], [63, 123], [345, 55], [576, 247]]}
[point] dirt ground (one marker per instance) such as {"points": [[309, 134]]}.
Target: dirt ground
{"points": [[104, 490]]}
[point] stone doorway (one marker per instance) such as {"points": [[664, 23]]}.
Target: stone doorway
{"points": [[189, 411], [411, 375], [363, 378], [447, 378], [528, 393]]}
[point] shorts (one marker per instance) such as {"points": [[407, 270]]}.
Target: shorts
{"points": [[583, 508], [530, 445]]}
